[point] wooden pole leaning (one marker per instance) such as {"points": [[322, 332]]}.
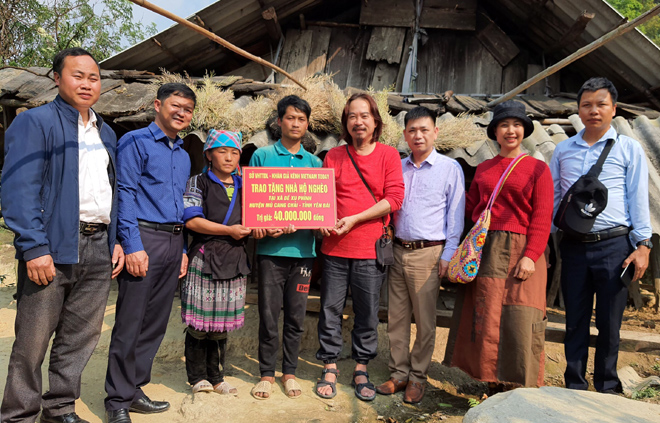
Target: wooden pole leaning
{"points": [[214, 37], [578, 54]]}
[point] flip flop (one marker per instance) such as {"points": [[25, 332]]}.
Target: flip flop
{"points": [[322, 382], [359, 386], [263, 387], [291, 385], [225, 388], [202, 386]]}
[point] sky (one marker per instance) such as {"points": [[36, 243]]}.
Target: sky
{"points": [[182, 8]]}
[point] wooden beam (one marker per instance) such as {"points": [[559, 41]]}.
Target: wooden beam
{"points": [[579, 54], [272, 24], [437, 14], [200, 22], [167, 51], [495, 40], [332, 24], [573, 32]]}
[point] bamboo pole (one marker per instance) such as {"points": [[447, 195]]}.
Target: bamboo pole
{"points": [[578, 54], [214, 37]]}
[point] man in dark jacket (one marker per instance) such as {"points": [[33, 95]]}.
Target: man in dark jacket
{"points": [[58, 196]]}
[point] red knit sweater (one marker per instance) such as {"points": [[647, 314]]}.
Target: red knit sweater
{"points": [[524, 205], [382, 171]]}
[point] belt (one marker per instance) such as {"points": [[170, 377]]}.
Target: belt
{"points": [[87, 228], [416, 245], [600, 235], [175, 228]]}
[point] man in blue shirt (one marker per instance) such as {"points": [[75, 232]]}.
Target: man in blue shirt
{"points": [[152, 170], [428, 229], [59, 198], [285, 259], [594, 262]]}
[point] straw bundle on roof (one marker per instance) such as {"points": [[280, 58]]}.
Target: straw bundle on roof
{"points": [[391, 129], [458, 132], [325, 98]]}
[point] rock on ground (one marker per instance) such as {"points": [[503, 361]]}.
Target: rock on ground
{"points": [[551, 404]]}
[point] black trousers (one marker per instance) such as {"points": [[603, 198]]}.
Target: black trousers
{"points": [[589, 268], [72, 307], [143, 310], [364, 278], [205, 356], [283, 281]]}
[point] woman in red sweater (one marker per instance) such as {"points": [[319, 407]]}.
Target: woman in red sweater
{"points": [[499, 320], [350, 247]]}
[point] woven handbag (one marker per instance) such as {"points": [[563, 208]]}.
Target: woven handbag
{"points": [[464, 264]]}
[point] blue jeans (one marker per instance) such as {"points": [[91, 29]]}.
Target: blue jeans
{"points": [[364, 278]]}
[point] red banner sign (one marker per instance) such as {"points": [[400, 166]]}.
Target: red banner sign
{"points": [[274, 197]]}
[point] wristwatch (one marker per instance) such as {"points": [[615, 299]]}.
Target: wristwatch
{"points": [[646, 243]]}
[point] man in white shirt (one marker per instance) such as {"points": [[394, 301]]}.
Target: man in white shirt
{"points": [[58, 186]]}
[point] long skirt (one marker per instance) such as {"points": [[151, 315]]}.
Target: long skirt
{"points": [[212, 305], [497, 332]]}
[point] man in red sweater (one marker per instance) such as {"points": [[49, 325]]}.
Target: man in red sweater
{"points": [[349, 249]]}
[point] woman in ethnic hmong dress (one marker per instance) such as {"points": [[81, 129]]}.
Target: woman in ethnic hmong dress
{"points": [[498, 327], [213, 292]]}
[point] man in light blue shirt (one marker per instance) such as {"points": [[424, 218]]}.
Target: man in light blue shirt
{"points": [[594, 262], [428, 230]]}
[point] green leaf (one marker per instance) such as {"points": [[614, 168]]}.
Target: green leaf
{"points": [[473, 402], [33, 31]]}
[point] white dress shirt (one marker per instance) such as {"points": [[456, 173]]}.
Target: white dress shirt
{"points": [[95, 192]]}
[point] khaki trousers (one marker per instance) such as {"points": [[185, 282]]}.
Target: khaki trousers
{"points": [[413, 286]]}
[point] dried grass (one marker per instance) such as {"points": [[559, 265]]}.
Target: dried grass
{"points": [[214, 110], [252, 118], [391, 129], [326, 99], [213, 107], [459, 132]]}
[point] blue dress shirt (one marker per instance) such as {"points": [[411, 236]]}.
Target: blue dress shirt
{"points": [[625, 174], [434, 205], [151, 179]]}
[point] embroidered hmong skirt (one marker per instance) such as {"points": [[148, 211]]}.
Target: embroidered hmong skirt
{"points": [[497, 331], [211, 305]]}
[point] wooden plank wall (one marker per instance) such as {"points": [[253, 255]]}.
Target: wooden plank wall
{"points": [[459, 62], [446, 14], [376, 57]]}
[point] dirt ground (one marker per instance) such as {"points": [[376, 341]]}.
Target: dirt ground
{"points": [[446, 400]]}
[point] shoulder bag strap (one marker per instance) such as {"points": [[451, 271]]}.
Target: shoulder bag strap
{"points": [[503, 179], [598, 167], [362, 177]]}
